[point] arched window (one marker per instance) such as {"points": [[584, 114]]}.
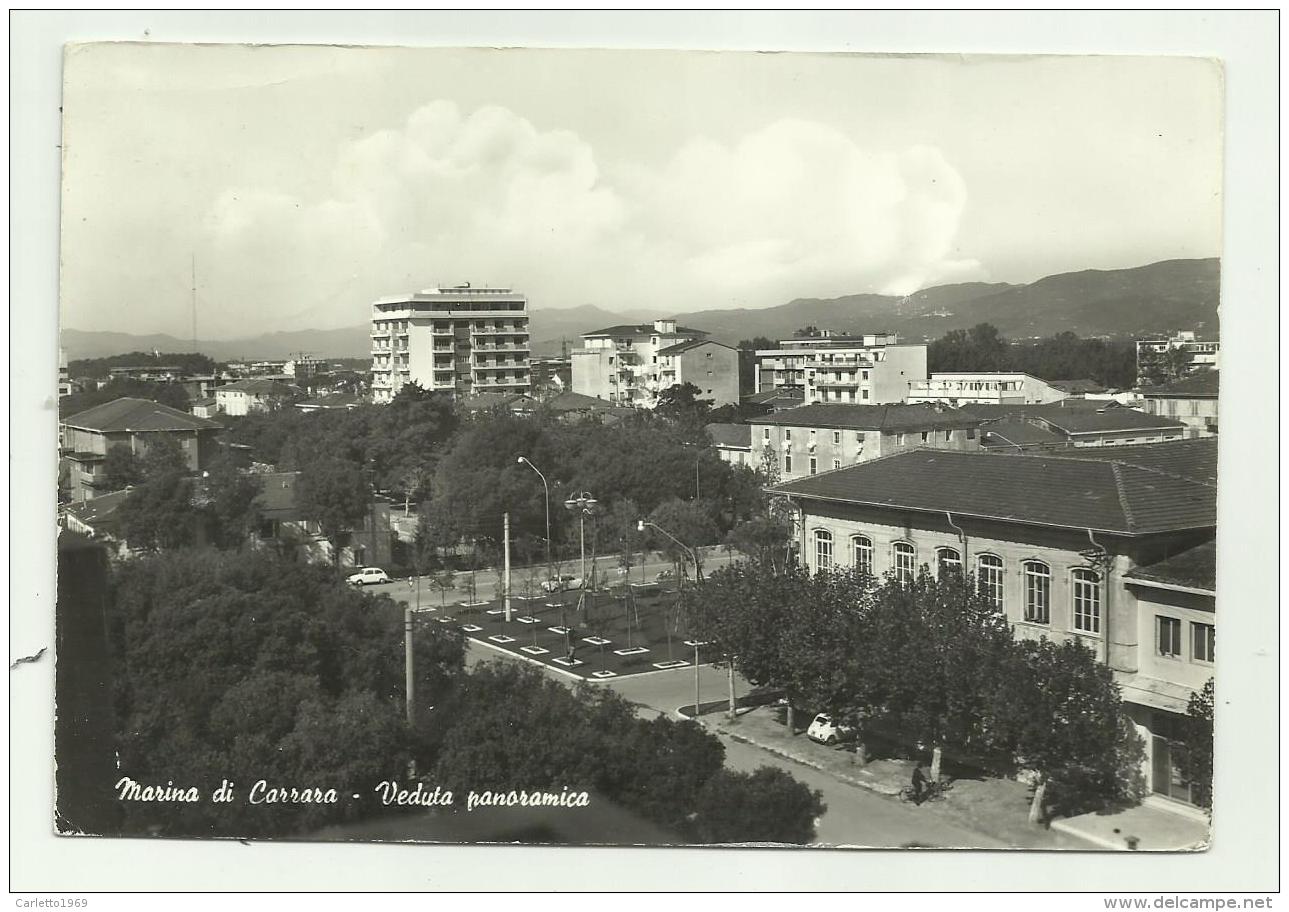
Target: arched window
{"points": [[1038, 592], [1087, 601], [904, 561], [989, 579], [823, 550], [861, 547], [947, 560]]}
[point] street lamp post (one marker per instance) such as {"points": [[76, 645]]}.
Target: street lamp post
{"points": [[698, 576], [550, 567], [584, 504]]}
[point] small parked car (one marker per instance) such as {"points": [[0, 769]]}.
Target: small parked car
{"points": [[825, 730], [562, 583], [368, 576]]}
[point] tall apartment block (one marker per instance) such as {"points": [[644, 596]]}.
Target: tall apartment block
{"points": [[631, 364], [869, 369], [457, 339]]}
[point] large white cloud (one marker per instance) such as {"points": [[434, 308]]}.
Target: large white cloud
{"points": [[792, 209]]}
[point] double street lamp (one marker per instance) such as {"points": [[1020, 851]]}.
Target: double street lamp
{"points": [[584, 505]]}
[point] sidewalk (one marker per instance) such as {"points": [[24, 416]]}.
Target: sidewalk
{"points": [[994, 807]]}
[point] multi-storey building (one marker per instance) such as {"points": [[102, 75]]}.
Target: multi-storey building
{"points": [[134, 424], [461, 340], [64, 378], [631, 364], [733, 442], [869, 369], [818, 438], [1164, 360], [1191, 400], [254, 394], [984, 388], [1093, 546]]}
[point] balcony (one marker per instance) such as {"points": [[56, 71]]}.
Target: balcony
{"points": [[835, 363], [846, 383], [491, 331]]}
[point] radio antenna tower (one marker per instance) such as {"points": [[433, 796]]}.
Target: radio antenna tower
{"points": [[194, 303]]}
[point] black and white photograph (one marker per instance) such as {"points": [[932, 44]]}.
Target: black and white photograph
{"points": [[575, 447]]}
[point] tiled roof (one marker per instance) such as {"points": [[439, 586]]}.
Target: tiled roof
{"points": [[641, 329], [730, 435], [1102, 495], [128, 414], [1115, 419], [1202, 385], [783, 398], [692, 343], [202, 402], [1193, 569], [276, 499], [1195, 458], [576, 402], [98, 511], [481, 401], [1077, 386], [888, 418], [1014, 432]]}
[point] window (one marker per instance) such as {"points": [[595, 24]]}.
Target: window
{"points": [[899, 439], [1168, 637], [787, 463], [787, 434], [1038, 592], [823, 550], [904, 558], [863, 394], [836, 463], [947, 560], [925, 435], [1203, 638], [1087, 601], [836, 437], [765, 433], [814, 466], [947, 436], [862, 548], [865, 377], [989, 579]]}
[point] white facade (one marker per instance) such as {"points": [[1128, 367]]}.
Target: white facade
{"points": [[983, 388], [461, 339], [630, 365], [864, 369]]}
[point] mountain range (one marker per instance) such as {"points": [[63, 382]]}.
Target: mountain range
{"points": [[1161, 297]]}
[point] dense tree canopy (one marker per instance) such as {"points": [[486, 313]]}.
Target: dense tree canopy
{"points": [[188, 362], [171, 394], [517, 728], [1061, 357], [243, 667], [930, 663]]}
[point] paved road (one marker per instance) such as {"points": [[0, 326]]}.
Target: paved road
{"points": [[487, 586], [855, 816]]}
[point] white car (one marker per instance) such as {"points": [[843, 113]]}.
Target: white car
{"points": [[368, 576], [826, 731], [562, 584]]}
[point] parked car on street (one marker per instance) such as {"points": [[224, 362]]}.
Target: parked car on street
{"points": [[563, 583], [368, 576], [825, 730]]}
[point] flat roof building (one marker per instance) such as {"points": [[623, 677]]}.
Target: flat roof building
{"points": [[460, 339]]}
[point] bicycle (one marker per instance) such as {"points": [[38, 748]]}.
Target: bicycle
{"points": [[932, 791]]}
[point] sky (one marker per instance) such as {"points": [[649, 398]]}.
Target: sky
{"points": [[304, 182]]}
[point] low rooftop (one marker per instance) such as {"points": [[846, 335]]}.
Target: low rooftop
{"points": [[1193, 569], [1116, 496], [1201, 385], [730, 435], [128, 414], [886, 418]]}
